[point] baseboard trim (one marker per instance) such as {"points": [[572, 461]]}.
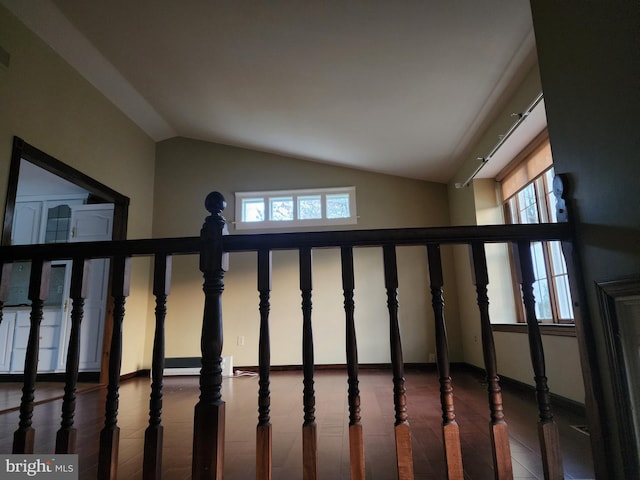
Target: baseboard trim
{"points": [[145, 372], [338, 367], [556, 400]]}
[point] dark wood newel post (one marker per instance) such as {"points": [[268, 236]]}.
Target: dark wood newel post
{"points": [[208, 431], [589, 363]]}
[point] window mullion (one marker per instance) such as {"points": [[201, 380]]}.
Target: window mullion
{"points": [[553, 295]]}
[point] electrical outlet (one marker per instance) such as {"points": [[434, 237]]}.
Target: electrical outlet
{"points": [[241, 340], [432, 358]]}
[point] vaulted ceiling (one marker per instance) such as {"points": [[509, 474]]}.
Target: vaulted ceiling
{"points": [[403, 88]]}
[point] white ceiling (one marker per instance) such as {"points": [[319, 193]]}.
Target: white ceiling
{"points": [[403, 88]]}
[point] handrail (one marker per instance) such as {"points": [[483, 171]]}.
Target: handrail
{"points": [[398, 236], [102, 249], [284, 241]]}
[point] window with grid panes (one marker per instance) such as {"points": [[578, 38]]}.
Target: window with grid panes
{"points": [[296, 208], [528, 195]]}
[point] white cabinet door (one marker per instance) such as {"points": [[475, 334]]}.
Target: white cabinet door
{"points": [[6, 339], [26, 223], [91, 223], [50, 328]]}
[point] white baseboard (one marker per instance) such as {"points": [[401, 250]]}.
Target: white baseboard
{"points": [[227, 369]]}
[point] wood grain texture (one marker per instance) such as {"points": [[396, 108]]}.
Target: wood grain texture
{"points": [[404, 453], [309, 452], [239, 393], [264, 449]]}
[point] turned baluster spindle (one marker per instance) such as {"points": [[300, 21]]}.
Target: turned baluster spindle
{"points": [[547, 428], [404, 455], [498, 426], [209, 414], [24, 436], [356, 439], [66, 436], [110, 434], [263, 430], [309, 428], [153, 437], [450, 429]]}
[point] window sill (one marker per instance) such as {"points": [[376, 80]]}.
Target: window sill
{"points": [[545, 329]]}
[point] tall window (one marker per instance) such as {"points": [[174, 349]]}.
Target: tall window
{"points": [[527, 190], [296, 208]]}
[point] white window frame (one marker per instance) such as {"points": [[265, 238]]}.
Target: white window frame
{"points": [[241, 224]]}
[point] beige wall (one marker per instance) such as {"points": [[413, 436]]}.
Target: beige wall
{"points": [[46, 103], [187, 170], [478, 204]]}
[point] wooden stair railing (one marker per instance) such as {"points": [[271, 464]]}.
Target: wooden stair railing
{"points": [[264, 446], [404, 455], [547, 428], [499, 434], [309, 427], [66, 436], [356, 438], [209, 415], [24, 436], [153, 436], [110, 434], [208, 428], [450, 429]]}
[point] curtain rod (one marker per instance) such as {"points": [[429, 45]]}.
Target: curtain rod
{"points": [[502, 138]]}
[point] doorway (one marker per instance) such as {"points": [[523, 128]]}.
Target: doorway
{"points": [[66, 195]]}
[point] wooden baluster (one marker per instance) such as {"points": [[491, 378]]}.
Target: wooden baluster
{"points": [[309, 428], [404, 455], [24, 436], [263, 430], [66, 436], [209, 414], [110, 434], [499, 433], [153, 435], [5, 283], [547, 428], [356, 439], [450, 429]]}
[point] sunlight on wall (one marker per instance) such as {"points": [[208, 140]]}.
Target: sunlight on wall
{"points": [[242, 319]]}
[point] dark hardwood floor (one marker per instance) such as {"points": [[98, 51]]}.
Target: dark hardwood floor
{"points": [[240, 393]]}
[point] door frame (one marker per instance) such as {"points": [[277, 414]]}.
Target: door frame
{"points": [[98, 191], [608, 294], [24, 151]]}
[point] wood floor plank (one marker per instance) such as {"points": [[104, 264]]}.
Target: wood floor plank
{"points": [[241, 394]]}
